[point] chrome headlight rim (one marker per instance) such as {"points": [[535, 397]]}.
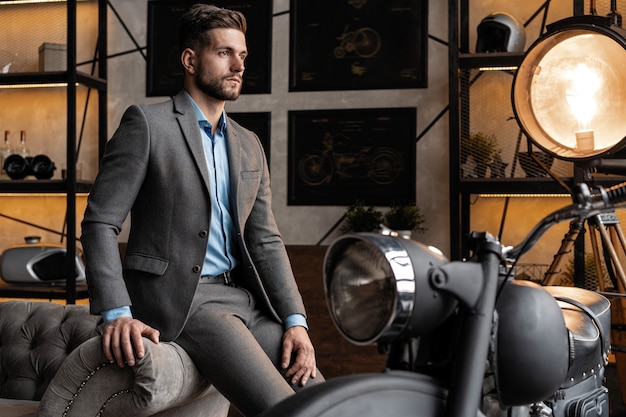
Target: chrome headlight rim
{"points": [[404, 284]]}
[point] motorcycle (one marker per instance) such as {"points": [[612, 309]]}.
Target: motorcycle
{"points": [[463, 338]]}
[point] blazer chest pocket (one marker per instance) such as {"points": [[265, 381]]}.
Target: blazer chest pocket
{"points": [[144, 263], [250, 175]]}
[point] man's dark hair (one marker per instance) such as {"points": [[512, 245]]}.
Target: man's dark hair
{"points": [[195, 24]]}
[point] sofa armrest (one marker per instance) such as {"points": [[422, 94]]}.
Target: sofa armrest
{"points": [[165, 381]]}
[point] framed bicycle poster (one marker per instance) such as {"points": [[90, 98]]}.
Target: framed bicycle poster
{"points": [[258, 122], [337, 157], [358, 44]]}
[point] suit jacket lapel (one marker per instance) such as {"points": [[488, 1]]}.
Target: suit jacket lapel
{"points": [[186, 117]]}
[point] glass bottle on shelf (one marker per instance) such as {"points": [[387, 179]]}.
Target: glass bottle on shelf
{"points": [[614, 15], [22, 148], [5, 152], [592, 7]]}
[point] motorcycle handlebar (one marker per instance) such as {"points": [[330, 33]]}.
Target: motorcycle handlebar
{"points": [[585, 205], [617, 194]]}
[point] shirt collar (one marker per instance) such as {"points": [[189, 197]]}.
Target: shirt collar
{"points": [[202, 118]]}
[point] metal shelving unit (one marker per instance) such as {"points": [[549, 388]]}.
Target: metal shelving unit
{"points": [[71, 80]]}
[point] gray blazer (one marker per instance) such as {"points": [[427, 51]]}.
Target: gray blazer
{"points": [[154, 167]]}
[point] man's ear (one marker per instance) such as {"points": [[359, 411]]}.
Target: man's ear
{"points": [[188, 59]]}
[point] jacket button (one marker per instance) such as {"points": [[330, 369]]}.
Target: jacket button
{"points": [[196, 269], [204, 233]]}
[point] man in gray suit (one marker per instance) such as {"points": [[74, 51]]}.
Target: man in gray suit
{"points": [[197, 187]]}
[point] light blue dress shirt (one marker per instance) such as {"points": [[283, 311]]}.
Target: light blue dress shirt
{"points": [[219, 257]]}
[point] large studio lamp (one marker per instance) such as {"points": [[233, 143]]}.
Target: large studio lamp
{"points": [[569, 92]]}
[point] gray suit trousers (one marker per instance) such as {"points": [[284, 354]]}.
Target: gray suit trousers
{"points": [[237, 347]]}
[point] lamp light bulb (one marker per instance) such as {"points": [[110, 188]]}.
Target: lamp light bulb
{"points": [[584, 83], [580, 96]]}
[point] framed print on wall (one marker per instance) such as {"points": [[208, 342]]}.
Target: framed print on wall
{"points": [[358, 44], [338, 157], [164, 73], [259, 123]]}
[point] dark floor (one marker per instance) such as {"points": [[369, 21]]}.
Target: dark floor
{"points": [[616, 404]]}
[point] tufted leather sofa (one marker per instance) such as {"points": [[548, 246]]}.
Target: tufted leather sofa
{"points": [[52, 365]]}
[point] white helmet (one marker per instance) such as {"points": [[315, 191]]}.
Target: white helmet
{"points": [[500, 32]]}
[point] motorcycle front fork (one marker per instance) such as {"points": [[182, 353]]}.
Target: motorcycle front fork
{"points": [[491, 408]]}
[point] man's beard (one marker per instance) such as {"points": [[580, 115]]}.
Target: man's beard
{"points": [[215, 88]]}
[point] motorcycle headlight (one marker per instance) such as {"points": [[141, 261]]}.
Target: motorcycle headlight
{"points": [[377, 288]]}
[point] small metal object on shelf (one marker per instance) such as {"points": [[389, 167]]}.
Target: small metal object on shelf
{"points": [[32, 239]]}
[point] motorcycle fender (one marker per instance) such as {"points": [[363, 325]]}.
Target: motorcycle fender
{"points": [[392, 393]]}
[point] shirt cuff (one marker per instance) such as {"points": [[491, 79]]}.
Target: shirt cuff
{"points": [[114, 313], [296, 320]]}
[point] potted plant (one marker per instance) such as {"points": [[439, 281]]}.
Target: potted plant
{"points": [[404, 219], [482, 148], [359, 218]]}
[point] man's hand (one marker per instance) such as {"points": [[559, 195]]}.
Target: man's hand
{"points": [[122, 340], [296, 342]]}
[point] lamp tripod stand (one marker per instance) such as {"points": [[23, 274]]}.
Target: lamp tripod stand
{"points": [[607, 225]]}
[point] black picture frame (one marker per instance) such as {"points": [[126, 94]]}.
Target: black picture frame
{"points": [[339, 157], [358, 44], [164, 74], [259, 123]]}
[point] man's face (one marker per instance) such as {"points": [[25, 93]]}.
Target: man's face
{"points": [[220, 65]]}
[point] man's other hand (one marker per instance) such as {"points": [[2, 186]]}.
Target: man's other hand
{"points": [[297, 345]]}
